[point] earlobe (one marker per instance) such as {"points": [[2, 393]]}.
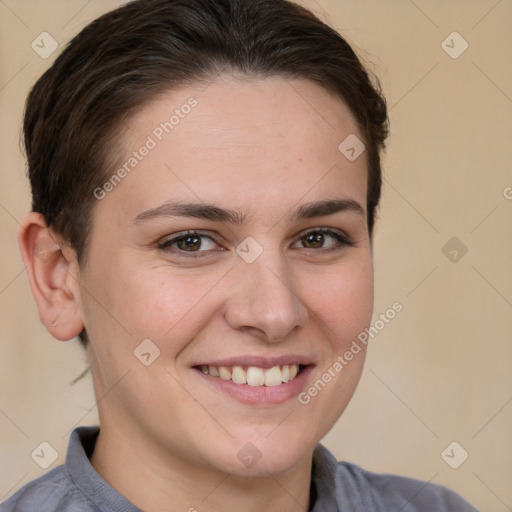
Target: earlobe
{"points": [[53, 277]]}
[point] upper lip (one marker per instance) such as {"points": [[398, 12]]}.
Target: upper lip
{"points": [[258, 361]]}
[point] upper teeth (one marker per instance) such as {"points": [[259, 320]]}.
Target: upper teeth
{"points": [[252, 375]]}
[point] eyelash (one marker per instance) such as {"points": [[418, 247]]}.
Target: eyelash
{"points": [[339, 237], [164, 245]]}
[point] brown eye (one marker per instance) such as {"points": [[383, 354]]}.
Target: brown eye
{"points": [[313, 240], [322, 239], [189, 243]]}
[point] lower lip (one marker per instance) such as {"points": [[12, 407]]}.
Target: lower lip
{"points": [[260, 394]]}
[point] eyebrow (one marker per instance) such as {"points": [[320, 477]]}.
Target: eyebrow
{"points": [[215, 213], [196, 210], [328, 207]]}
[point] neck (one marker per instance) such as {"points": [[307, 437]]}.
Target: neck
{"points": [[152, 481]]}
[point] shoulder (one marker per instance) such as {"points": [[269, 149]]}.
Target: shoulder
{"points": [[54, 491], [346, 486], [394, 492]]}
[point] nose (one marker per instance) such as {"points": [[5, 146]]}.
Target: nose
{"points": [[265, 302]]}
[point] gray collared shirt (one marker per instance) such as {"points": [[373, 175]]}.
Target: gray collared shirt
{"points": [[336, 487]]}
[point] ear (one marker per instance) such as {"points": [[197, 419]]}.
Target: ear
{"points": [[53, 274]]}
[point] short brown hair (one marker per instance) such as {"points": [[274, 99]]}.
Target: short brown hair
{"points": [[126, 57]]}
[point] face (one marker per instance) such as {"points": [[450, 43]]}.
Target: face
{"points": [[237, 246]]}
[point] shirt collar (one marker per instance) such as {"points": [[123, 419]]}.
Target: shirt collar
{"points": [[85, 477]]}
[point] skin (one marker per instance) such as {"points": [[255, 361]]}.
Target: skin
{"points": [[262, 148]]}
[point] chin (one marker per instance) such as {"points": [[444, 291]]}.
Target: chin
{"points": [[265, 456]]}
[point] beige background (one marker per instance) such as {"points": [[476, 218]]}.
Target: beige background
{"points": [[440, 371]]}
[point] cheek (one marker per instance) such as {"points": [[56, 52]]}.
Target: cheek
{"points": [[342, 307], [158, 303], [343, 300], [137, 302]]}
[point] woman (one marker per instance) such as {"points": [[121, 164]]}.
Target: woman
{"points": [[205, 176]]}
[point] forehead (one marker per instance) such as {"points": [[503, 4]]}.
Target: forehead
{"points": [[246, 144]]}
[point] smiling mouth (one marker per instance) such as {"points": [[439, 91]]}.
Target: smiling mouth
{"points": [[253, 375]]}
